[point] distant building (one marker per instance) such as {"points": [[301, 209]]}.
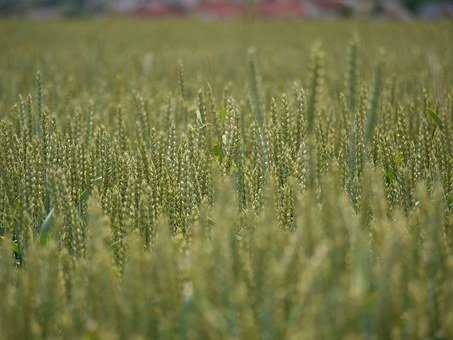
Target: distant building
{"points": [[220, 9], [125, 5], [280, 9], [432, 11], [324, 8], [263, 8], [133, 5], [356, 8]]}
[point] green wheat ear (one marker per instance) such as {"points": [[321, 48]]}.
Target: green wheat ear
{"points": [[315, 85], [39, 96], [254, 87], [352, 72], [372, 113], [181, 81], [257, 106]]}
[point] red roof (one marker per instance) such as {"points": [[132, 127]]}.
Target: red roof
{"points": [[226, 9], [280, 9], [158, 9], [220, 9]]}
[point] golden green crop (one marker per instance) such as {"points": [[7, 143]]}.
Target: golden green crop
{"points": [[226, 180]]}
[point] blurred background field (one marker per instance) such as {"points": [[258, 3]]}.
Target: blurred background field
{"points": [[92, 57]]}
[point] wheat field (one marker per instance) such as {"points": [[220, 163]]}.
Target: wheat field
{"points": [[180, 179]]}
